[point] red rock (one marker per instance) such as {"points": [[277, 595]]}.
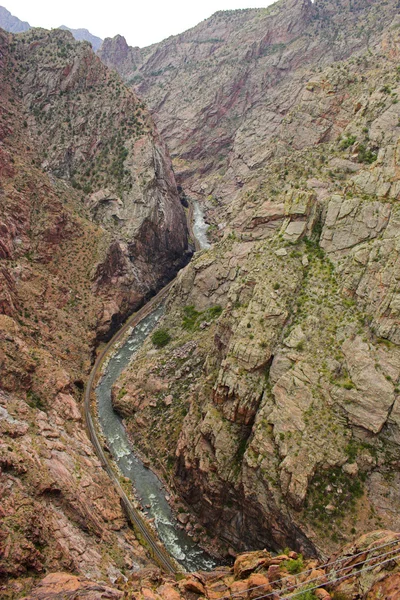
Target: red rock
{"points": [[318, 576], [58, 586], [259, 581], [239, 587], [167, 592], [148, 594], [388, 588], [322, 594], [274, 573], [246, 563], [195, 586]]}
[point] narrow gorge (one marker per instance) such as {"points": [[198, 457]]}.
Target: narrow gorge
{"points": [[200, 308], [149, 493]]}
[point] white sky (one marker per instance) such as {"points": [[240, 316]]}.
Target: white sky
{"points": [[141, 22]]}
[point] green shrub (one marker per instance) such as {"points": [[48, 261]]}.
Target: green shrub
{"points": [[214, 311], [306, 594], [192, 317], [34, 400], [365, 155], [347, 142], [161, 338], [294, 566]]}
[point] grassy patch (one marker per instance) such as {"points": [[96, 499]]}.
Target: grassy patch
{"points": [[335, 488], [294, 566], [161, 338], [192, 318]]}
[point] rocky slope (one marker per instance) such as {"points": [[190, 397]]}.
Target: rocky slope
{"points": [[221, 92], [257, 575], [276, 404], [91, 224]]}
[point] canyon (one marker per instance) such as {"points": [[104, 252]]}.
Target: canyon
{"points": [[272, 411], [91, 227], [285, 406]]}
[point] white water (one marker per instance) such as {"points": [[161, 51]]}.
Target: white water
{"points": [[200, 227], [148, 488]]}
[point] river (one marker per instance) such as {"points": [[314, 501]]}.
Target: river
{"points": [[200, 227], [148, 488]]}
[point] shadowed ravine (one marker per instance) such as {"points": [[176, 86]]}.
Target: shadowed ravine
{"points": [[148, 488]]}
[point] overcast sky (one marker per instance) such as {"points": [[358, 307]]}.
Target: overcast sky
{"points": [[142, 22]]}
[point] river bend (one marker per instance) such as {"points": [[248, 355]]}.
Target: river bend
{"points": [[148, 488]]}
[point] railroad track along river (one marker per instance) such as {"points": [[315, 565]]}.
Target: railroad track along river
{"points": [[142, 529], [146, 535]]}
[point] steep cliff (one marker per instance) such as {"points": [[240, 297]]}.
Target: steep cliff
{"points": [[221, 92], [91, 131], [276, 404], [91, 224]]}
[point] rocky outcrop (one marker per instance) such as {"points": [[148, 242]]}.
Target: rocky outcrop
{"points": [[115, 51], [256, 574]]}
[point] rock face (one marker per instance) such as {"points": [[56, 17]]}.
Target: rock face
{"points": [[111, 151], [115, 53], [284, 423], [252, 87], [90, 225]]}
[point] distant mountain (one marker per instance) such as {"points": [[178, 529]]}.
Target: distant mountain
{"points": [[84, 35], [11, 23]]}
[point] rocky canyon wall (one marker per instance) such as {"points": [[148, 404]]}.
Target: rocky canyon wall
{"points": [[91, 224], [276, 405]]}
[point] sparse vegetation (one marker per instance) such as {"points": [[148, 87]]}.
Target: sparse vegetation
{"points": [[161, 338], [294, 566], [193, 318]]}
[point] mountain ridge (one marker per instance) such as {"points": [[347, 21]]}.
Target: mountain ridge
{"points": [[13, 24], [10, 23]]}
